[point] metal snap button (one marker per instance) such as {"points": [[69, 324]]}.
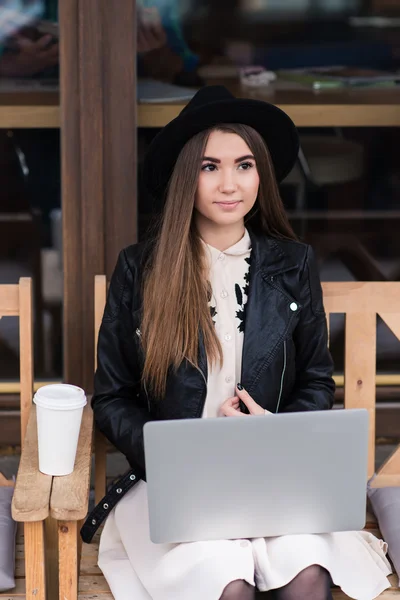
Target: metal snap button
{"points": [[94, 521], [132, 477], [293, 306], [105, 506], [119, 490]]}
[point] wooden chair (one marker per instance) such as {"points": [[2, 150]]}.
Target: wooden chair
{"points": [[16, 300], [79, 575]]}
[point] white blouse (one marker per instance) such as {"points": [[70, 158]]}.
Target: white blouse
{"points": [[229, 278]]}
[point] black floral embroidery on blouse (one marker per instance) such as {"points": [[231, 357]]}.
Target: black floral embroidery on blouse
{"points": [[240, 293], [213, 312], [213, 309]]}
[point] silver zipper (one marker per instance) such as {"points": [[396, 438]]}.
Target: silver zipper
{"points": [[147, 395], [282, 376], [202, 374]]}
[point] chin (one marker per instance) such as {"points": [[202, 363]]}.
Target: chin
{"points": [[227, 219]]}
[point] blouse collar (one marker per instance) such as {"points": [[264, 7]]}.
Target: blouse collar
{"points": [[243, 246]]}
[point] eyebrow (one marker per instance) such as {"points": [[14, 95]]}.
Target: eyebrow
{"points": [[237, 160]]}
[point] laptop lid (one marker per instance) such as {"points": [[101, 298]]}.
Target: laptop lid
{"points": [[256, 476]]}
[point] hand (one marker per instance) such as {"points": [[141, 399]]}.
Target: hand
{"points": [[29, 56], [150, 32], [230, 407]]}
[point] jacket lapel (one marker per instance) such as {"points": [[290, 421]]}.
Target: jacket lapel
{"points": [[268, 308]]}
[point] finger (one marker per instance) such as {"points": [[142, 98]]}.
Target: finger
{"points": [[254, 408], [229, 411], [231, 400]]}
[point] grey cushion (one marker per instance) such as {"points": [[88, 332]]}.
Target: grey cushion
{"points": [[386, 506], [8, 529]]}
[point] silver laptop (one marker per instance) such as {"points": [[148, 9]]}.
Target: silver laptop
{"points": [[256, 476]]}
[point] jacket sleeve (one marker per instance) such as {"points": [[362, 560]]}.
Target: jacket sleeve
{"points": [[314, 387], [118, 411]]}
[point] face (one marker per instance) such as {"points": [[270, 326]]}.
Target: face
{"points": [[228, 182]]}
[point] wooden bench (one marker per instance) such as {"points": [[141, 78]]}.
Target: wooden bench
{"points": [[34, 499], [79, 576]]}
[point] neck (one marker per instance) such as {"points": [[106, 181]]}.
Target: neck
{"points": [[220, 237]]}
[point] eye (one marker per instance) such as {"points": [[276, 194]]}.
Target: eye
{"points": [[208, 167], [245, 166]]}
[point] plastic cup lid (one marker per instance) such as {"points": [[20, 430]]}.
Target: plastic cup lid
{"points": [[60, 396]]}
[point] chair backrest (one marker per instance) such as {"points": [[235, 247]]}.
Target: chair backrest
{"points": [[16, 301], [361, 302]]}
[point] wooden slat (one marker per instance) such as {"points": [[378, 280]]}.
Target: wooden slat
{"points": [[26, 350], [70, 494], [51, 553], [31, 499], [392, 320], [35, 561], [68, 560], [88, 567], [9, 300], [362, 297], [360, 369], [389, 473], [334, 114]]}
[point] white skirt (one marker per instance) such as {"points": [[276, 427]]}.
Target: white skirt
{"points": [[134, 567]]}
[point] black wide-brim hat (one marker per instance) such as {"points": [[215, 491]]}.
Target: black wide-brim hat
{"points": [[214, 105]]}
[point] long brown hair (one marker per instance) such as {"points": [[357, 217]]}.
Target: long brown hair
{"points": [[175, 285]]}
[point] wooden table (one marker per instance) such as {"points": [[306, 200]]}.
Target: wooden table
{"points": [[341, 108], [29, 109], [338, 108]]}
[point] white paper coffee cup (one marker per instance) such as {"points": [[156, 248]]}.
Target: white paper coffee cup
{"points": [[59, 415]]}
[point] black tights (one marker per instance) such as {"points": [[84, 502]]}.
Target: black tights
{"points": [[311, 584]]}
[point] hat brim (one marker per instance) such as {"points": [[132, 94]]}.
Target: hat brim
{"points": [[274, 126]]}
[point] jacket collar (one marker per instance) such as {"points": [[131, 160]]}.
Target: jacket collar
{"points": [[269, 255]]}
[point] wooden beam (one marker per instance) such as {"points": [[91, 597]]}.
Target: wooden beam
{"points": [[99, 162]]}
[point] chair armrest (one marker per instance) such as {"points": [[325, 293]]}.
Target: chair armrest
{"points": [[70, 494], [31, 500]]}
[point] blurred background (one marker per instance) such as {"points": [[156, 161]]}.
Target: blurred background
{"points": [[334, 65]]}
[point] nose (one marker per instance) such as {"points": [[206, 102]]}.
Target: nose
{"points": [[227, 183]]}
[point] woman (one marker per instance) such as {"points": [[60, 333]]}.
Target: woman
{"points": [[221, 316]]}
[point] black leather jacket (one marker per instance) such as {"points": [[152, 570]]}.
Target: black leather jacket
{"points": [[286, 364]]}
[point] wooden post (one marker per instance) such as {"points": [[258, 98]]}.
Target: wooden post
{"points": [[98, 116]]}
